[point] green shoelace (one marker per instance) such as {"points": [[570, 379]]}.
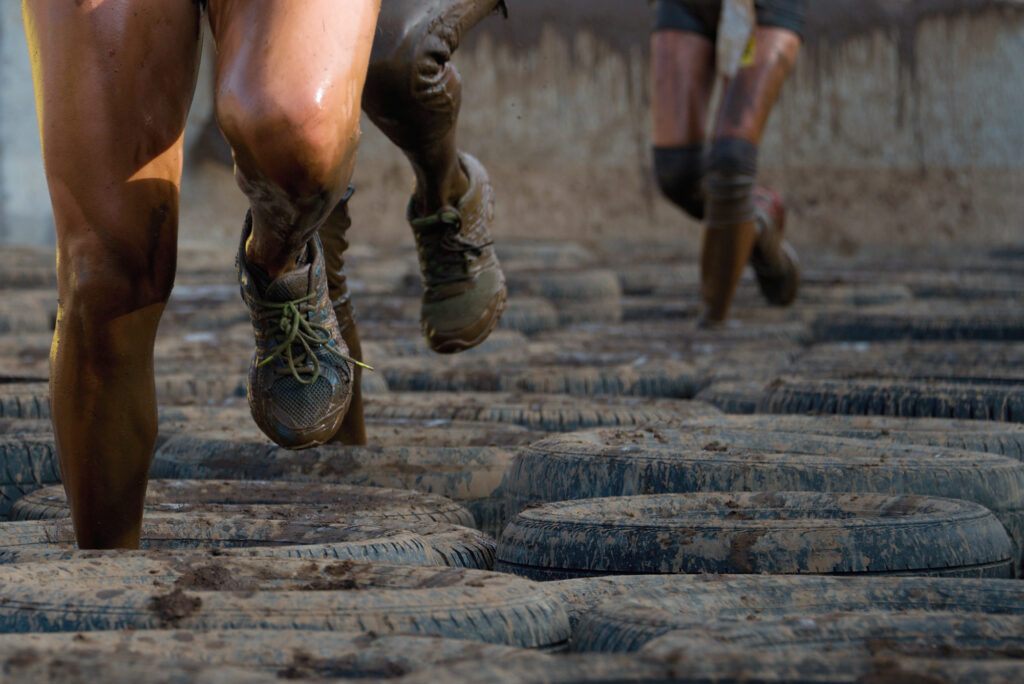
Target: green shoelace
{"points": [[296, 329]]}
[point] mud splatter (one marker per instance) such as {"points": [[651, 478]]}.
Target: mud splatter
{"points": [[175, 606], [212, 578]]}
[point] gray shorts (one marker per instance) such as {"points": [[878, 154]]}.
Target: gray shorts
{"points": [[701, 16]]}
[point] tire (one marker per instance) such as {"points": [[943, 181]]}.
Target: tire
{"points": [[266, 499], [964, 286], [27, 462], [747, 597], [233, 424], [505, 342], [562, 285], [684, 304], [694, 458], [528, 315], [657, 379], [401, 542], [150, 593], [540, 668], [765, 532], [960, 362], [1006, 439], [81, 667], [194, 388], [914, 399], [473, 476], [683, 336], [289, 654], [667, 284], [733, 396], [708, 458], [28, 277], [24, 400], [938, 320], [15, 428], [597, 311], [519, 255], [918, 632], [551, 413], [659, 308], [724, 666]]}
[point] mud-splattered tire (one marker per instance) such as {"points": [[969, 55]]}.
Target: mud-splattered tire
{"points": [[234, 425], [269, 499], [656, 460], [748, 597], [540, 668], [420, 543], [82, 667], [592, 312], [28, 312], [201, 389], [528, 315], [961, 362], [564, 285], [655, 379], [1006, 439], [728, 666], [708, 458], [289, 654], [24, 400], [520, 255], [148, 593], [765, 532], [552, 413], [27, 462], [472, 475], [938, 320], [505, 342], [918, 632], [913, 399]]}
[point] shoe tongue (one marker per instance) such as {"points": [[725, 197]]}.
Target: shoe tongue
{"points": [[292, 285]]}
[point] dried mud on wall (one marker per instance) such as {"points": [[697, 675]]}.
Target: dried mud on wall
{"points": [[900, 125]]}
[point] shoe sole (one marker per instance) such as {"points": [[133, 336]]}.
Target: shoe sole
{"points": [[458, 344]]}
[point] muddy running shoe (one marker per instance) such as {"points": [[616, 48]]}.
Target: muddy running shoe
{"points": [[464, 288], [774, 260], [300, 379]]}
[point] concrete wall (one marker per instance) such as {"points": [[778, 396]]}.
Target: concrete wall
{"points": [[901, 124], [24, 201]]}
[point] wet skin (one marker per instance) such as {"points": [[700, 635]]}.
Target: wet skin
{"points": [[114, 81], [683, 65]]}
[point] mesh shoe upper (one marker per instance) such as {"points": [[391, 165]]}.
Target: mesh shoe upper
{"points": [[300, 380]]}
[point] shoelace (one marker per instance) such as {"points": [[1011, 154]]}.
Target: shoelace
{"points": [[442, 251], [297, 329]]}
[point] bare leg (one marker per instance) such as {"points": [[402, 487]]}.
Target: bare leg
{"points": [[289, 85], [289, 82], [747, 102], [683, 65], [113, 84]]}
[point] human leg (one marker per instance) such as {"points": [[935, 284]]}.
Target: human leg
{"points": [[334, 236], [682, 63], [289, 82], [113, 83], [737, 224], [413, 94]]}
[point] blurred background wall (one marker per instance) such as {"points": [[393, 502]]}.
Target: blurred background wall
{"points": [[903, 124]]}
